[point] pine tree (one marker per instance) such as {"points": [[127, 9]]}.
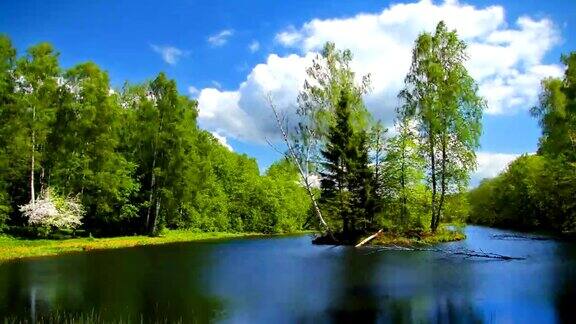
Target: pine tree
{"points": [[361, 185], [335, 178], [345, 184]]}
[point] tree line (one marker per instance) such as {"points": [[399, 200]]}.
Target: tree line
{"points": [[123, 161], [537, 192], [133, 160]]}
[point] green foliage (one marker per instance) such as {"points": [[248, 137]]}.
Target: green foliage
{"points": [[404, 196], [557, 113], [537, 191], [7, 103], [135, 158], [83, 154], [346, 176], [442, 99]]}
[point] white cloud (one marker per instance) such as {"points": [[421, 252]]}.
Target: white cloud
{"points": [[289, 37], [244, 113], [490, 164], [221, 38], [505, 58], [254, 46], [222, 139], [170, 54]]}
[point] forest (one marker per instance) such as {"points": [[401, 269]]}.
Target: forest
{"points": [[78, 156], [538, 192]]}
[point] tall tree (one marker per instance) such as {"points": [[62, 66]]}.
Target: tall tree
{"points": [[37, 76], [328, 77], [162, 117], [83, 147], [442, 98], [346, 176], [404, 172], [7, 113], [557, 112], [377, 147]]}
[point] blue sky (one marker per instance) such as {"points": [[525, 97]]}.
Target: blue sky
{"points": [[206, 47]]}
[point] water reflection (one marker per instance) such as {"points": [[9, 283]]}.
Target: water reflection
{"points": [[287, 280]]}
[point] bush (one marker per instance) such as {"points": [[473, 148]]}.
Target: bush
{"points": [[52, 212]]}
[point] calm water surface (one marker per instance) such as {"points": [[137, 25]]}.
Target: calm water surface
{"points": [[288, 280]]}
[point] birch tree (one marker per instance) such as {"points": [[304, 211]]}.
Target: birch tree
{"points": [[442, 98], [37, 76]]}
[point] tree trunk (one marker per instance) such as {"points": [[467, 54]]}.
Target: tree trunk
{"points": [[404, 208], [151, 197], [32, 193], [443, 185], [433, 171], [155, 222], [304, 175], [369, 238]]}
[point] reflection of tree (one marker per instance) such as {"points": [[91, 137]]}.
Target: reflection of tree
{"points": [[153, 284], [395, 287], [357, 299], [566, 285]]}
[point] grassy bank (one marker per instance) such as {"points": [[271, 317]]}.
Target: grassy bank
{"points": [[14, 248], [443, 234]]}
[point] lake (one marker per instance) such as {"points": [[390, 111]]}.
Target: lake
{"points": [[289, 280]]}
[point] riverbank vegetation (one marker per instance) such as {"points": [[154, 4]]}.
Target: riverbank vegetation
{"points": [[14, 248], [538, 192], [80, 156]]}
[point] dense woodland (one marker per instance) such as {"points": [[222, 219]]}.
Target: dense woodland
{"points": [[134, 158], [538, 192], [76, 154]]}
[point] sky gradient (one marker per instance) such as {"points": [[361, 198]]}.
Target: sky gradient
{"points": [[230, 54]]}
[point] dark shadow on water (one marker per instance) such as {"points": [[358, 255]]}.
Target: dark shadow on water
{"points": [[289, 280], [154, 284]]}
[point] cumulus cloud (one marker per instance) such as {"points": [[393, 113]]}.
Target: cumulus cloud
{"points": [[490, 164], [506, 59], [289, 37], [254, 46], [170, 54], [244, 113], [222, 140], [220, 38]]}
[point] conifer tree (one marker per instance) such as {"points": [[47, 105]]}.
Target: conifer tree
{"points": [[346, 175]]}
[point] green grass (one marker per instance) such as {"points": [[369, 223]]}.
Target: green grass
{"points": [[442, 235], [15, 248]]}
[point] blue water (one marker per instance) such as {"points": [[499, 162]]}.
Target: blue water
{"points": [[289, 280]]}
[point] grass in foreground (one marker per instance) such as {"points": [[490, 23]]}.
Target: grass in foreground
{"points": [[14, 248]]}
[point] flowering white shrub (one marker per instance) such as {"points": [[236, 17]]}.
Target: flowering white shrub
{"points": [[53, 211]]}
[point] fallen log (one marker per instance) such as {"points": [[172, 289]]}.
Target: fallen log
{"points": [[369, 238]]}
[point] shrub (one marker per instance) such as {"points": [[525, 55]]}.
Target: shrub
{"points": [[53, 212]]}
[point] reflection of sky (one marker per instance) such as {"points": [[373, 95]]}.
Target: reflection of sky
{"points": [[289, 280]]}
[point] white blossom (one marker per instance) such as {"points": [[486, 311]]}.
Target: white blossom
{"points": [[52, 211]]}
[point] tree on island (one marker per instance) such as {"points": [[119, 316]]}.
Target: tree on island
{"points": [[441, 97], [346, 175]]}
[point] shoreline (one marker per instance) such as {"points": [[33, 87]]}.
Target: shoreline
{"points": [[12, 248], [405, 239]]}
